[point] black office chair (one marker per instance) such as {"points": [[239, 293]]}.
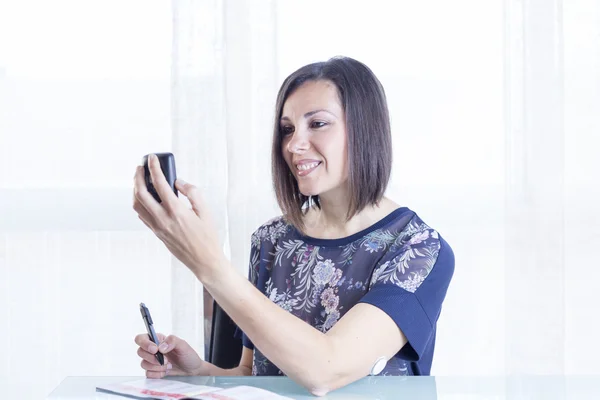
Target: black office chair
{"points": [[225, 350]]}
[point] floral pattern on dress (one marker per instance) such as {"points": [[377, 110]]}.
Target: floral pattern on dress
{"points": [[410, 268], [318, 281], [270, 231]]}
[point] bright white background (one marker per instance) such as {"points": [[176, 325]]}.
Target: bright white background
{"points": [[495, 119]]}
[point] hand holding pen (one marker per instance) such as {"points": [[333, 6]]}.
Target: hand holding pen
{"points": [[178, 357]]}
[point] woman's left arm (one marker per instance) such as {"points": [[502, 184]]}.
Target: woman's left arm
{"points": [[320, 362]]}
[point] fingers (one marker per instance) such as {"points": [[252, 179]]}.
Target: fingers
{"points": [[160, 182], [183, 186], [155, 375], [169, 344], [147, 351], [194, 196], [156, 371], [150, 358], [155, 367], [141, 194], [148, 345], [143, 214]]}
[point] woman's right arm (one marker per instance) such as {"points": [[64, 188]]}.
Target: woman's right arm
{"points": [[182, 359]]}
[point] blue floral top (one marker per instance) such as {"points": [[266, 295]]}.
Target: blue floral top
{"points": [[399, 265]]}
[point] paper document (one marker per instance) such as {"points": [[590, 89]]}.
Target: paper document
{"points": [[163, 389]]}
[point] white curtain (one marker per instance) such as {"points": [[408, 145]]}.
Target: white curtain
{"points": [[535, 185], [552, 100], [493, 108], [83, 96], [581, 82], [495, 119], [224, 86]]}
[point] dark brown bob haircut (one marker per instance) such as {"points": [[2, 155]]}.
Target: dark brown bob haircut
{"points": [[369, 156]]}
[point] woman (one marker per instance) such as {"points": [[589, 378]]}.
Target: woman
{"points": [[346, 282]]}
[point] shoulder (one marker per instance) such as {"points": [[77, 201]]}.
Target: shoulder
{"points": [[416, 231], [420, 235], [417, 250], [401, 228], [271, 231]]}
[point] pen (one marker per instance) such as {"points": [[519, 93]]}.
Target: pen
{"points": [[150, 329]]}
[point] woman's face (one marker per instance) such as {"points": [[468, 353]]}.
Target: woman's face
{"points": [[314, 142]]}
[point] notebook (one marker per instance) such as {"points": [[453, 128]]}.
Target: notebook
{"points": [[163, 389]]}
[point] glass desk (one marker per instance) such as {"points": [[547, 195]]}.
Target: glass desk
{"points": [[421, 388]]}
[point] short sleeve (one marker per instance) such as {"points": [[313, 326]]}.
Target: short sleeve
{"points": [[410, 287], [253, 272]]}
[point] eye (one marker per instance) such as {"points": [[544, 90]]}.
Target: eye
{"points": [[286, 130], [317, 124]]}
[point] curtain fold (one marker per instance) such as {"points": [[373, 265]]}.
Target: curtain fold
{"points": [[224, 86], [535, 215], [199, 142]]}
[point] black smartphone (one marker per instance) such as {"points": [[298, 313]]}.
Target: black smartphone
{"points": [[167, 164], [150, 329]]}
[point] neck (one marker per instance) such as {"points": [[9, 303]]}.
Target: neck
{"points": [[333, 212], [330, 220]]}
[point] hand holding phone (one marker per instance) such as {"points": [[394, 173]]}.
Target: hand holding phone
{"points": [[150, 329], [167, 165]]}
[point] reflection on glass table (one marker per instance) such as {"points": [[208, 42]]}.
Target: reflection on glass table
{"points": [[381, 388]]}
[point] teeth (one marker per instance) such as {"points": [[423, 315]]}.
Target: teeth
{"points": [[304, 167]]}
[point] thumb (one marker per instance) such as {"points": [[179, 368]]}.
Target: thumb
{"points": [[168, 344], [193, 195]]}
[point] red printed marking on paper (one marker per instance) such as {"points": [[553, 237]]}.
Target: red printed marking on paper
{"points": [[150, 392]]}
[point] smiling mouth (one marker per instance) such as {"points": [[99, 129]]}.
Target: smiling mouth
{"points": [[305, 169]]}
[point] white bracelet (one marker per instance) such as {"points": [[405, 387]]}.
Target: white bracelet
{"points": [[378, 366]]}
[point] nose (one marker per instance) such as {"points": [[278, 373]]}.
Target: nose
{"points": [[299, 143]]}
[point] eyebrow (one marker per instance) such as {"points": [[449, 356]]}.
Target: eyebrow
{"points": [[309, 114]]}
